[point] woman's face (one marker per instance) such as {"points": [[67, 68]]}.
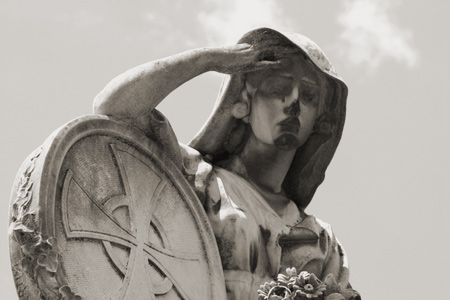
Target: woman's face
{"points": [[286, 103]]}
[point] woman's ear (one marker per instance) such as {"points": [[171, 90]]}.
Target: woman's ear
{"points": [[240, 110]]}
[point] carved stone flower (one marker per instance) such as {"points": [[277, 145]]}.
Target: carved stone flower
{"points": [[48, 260], [304, 286], [274, 291], [308, 286], [271, 291]]}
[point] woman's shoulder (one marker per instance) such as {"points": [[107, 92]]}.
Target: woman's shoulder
{"points": [[196, 168]]}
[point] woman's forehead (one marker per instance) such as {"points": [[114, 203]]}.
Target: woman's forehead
{"points": [[302, 69], [299, 70]]}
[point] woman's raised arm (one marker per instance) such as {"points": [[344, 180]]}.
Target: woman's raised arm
{"points": [[136, 92], [140, 89]]}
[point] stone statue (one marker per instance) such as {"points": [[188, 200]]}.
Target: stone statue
{"points": [[258, 160], [113, 199]]}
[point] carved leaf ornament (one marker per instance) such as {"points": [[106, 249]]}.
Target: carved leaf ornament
{"points": [[99, 212]]}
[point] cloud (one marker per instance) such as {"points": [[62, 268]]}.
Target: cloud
{"points": [[226, 21], [371, 36]]}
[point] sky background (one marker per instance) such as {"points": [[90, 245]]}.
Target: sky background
{"points": [[387, 190]]}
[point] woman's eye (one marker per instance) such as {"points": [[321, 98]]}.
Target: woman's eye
{"points": [[308, 98], [309, 94], [278, 91]]}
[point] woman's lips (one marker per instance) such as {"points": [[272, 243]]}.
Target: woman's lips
{"points": [[291, 121], [290, 124]]}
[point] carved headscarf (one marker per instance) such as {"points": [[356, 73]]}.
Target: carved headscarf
{"points": [[223, 135]]}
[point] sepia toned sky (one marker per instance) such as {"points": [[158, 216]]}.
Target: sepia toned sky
{"points": [[387, 190]]}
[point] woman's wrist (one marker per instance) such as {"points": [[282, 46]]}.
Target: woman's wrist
{"points": [[209, 59]]}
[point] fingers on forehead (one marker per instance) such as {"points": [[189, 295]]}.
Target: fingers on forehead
{"points": [[278, 51]]}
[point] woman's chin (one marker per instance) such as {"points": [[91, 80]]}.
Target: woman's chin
{"points": [[286, 142]]}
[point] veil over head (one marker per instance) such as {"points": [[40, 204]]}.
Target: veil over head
{"points": [[223, 135]]}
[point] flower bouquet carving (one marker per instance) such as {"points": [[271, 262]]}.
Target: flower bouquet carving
{"points": [[305, 285]]}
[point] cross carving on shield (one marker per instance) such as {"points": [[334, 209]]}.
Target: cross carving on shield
{"points": [[141, 196]]}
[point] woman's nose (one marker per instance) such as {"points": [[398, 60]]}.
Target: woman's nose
{"points": [[293, 109], [291, 101]]}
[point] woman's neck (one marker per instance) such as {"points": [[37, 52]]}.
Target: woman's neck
{"points": [[266, 166]]}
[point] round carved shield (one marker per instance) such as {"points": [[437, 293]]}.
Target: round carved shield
{"points": [[100, 212]]}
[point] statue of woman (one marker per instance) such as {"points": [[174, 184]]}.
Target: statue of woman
{"points": [[258, 160]]}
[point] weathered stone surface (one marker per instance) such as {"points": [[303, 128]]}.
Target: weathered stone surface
{"points": [[99, 212], [259, 158]]}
